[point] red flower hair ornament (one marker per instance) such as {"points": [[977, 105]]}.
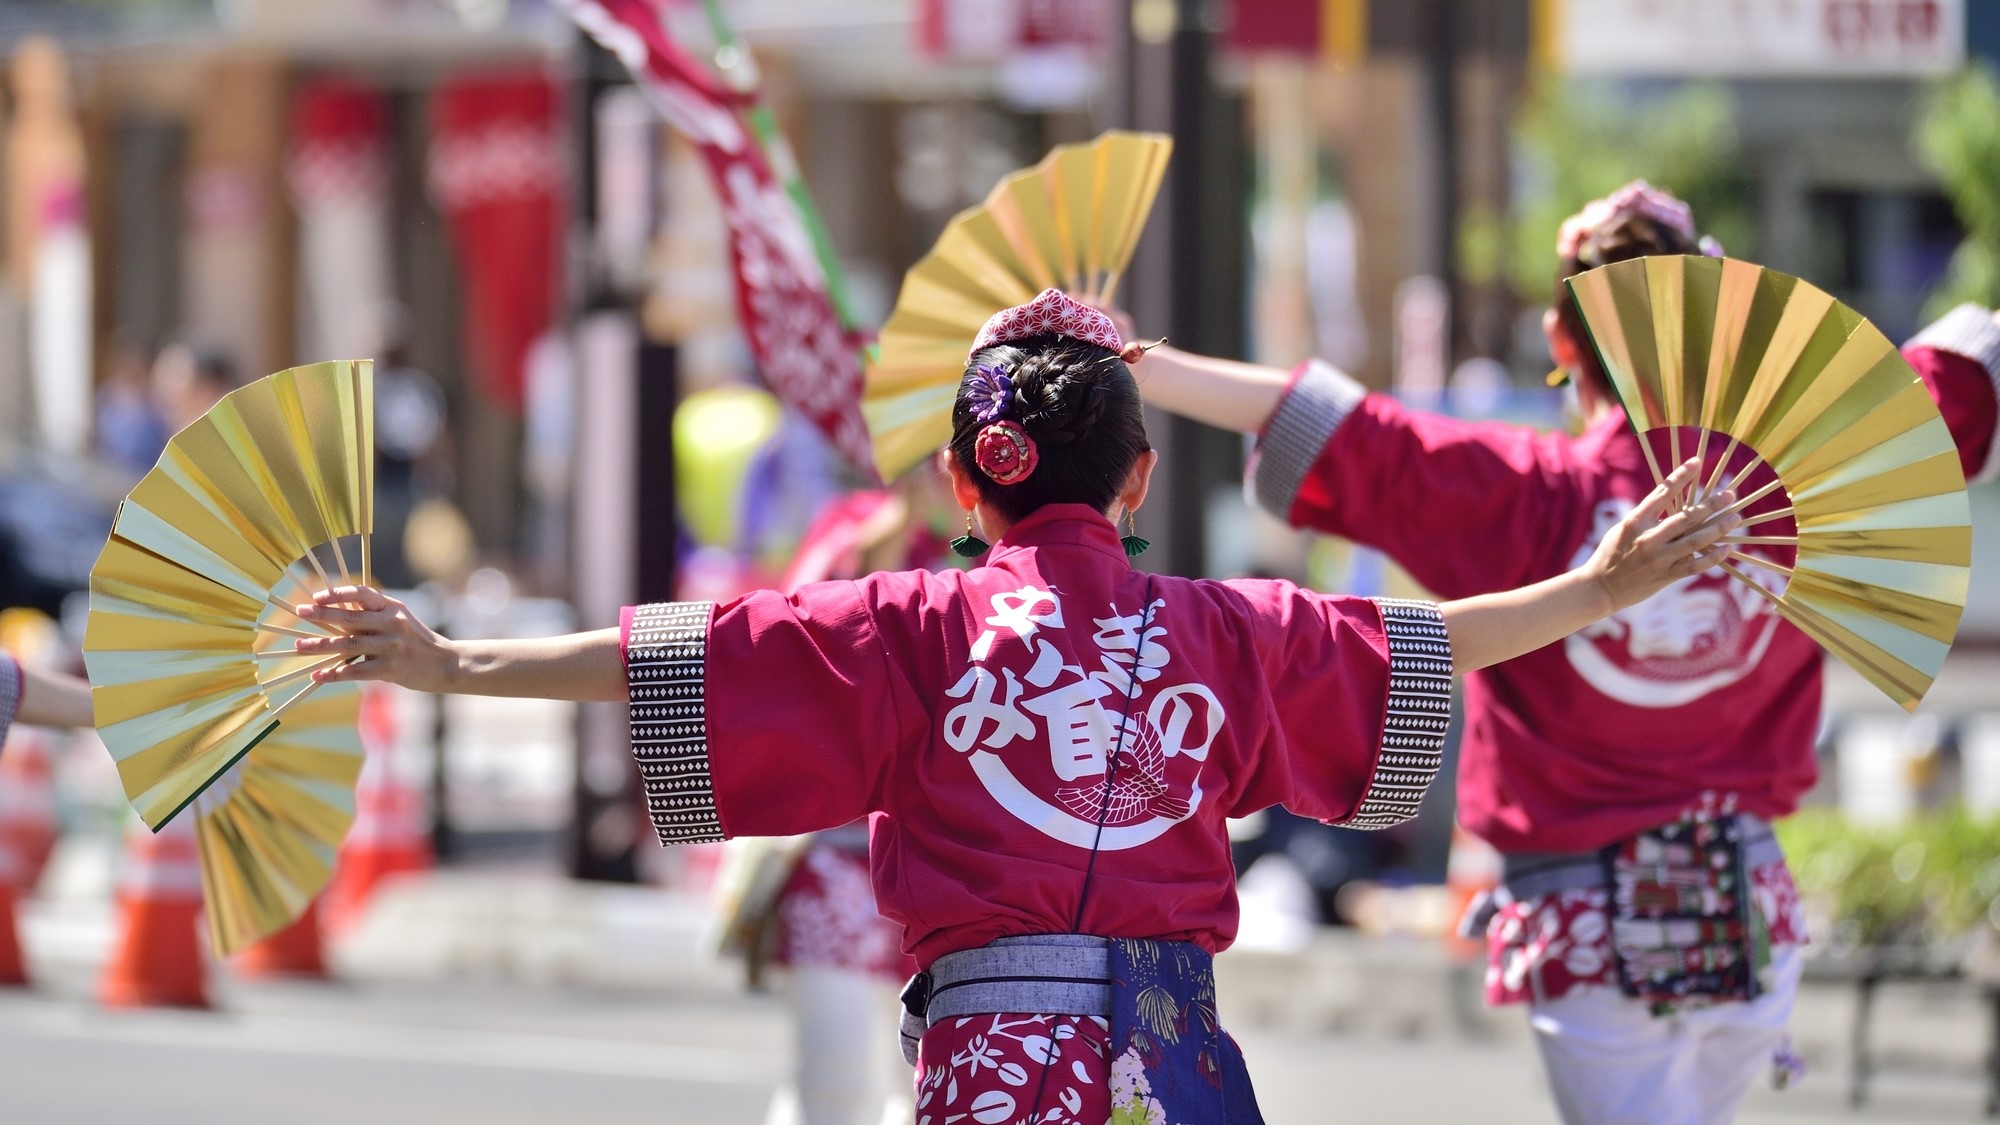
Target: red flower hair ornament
{"points": [[1005, 452]]}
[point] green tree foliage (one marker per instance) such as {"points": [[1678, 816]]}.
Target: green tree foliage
{"points": [[1577, 139], [1960, 138], [1927, 884]]}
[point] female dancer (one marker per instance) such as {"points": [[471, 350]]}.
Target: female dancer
{"points": [[1696, 703], [1048, 744]]}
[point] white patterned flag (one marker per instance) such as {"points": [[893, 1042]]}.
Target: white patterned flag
{"points": [[807, 357]]}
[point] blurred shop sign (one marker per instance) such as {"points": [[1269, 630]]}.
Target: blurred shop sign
{"points": [[292, 21], [1751, 37], [1334, 30], [997, 29]]}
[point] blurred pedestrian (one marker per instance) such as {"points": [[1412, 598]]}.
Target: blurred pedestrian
{"points": [[1048, 746], [188, 381], [844, 960], [412, 444], [130, 431], [1691, 713]]}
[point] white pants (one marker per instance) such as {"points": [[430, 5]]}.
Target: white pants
{"points": [[846, 1068], [1610, 1061]]}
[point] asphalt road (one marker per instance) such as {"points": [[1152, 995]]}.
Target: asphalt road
{"points": [[504, 1054]]}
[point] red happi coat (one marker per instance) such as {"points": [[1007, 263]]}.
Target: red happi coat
{"points": [[974, 714], [1700, 690]]}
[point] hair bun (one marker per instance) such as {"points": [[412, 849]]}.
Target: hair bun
{"points": [[1060, 402]]}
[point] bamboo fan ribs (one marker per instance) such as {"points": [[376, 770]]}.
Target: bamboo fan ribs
{"points": [[1752, 359], [199, 690], [1070, 223]]}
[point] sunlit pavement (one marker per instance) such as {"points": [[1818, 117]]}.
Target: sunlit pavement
{"points": [[497, 1053], [511, 995]]}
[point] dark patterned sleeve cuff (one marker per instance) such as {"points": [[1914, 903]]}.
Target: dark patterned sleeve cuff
{"points": [[666, 648], [1970, 331], [11, 679], [1320, 399], [1419, 710], [1967, 330]]}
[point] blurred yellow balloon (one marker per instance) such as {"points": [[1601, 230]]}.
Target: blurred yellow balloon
{"points": [[717, 435], [437, 542]]}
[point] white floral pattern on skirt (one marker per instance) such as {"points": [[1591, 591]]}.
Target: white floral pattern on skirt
{"points": [[989, 1070]]}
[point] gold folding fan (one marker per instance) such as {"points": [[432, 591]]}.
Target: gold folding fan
{"points": [[1070, 223], [1868, 472], [199, 691]]}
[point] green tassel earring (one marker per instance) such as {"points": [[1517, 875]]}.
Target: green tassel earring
{"points": [[970, 546], [1134, 546]]}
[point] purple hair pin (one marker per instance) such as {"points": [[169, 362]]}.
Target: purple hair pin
{"points": [[989, 393]]}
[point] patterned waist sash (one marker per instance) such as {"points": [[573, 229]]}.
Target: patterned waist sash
{"points": [[1534, 874], [1158, 997], [1683, 927]]}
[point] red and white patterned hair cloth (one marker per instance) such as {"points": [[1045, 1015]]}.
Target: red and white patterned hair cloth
{"points": [[1054, 313], [1636, 198]]}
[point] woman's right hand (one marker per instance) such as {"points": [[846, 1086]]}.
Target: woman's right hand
{"points": [[383, 638]]}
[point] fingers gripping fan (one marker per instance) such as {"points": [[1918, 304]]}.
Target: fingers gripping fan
{"points": [[1070, 223], [200, 693], [1764, 377]]}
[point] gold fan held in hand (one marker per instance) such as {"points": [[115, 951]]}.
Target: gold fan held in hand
{"points": [[200, 691], [1824, 429], [1070, 223]]}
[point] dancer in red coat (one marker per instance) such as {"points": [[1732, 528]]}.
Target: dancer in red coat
{"points": [[1695, 704], [1048, 745]]}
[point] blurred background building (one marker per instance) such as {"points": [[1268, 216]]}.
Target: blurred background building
{"points": [[197, 192]]}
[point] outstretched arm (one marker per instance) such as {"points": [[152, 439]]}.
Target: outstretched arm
{"points": [[1642, 556], [395, 646], [1221, 392], [1434, 493], [49, 699], [1958, 358]]}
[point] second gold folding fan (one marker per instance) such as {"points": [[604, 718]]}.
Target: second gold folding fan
{"points": [[1070, 223], [199, 691], [1758, 360]]}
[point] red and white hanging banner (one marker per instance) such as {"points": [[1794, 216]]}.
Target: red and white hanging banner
{"points": [[806, 357], [996, 29], [337, 171], [497, 174]]}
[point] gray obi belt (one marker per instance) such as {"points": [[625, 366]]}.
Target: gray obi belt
{"points": [[1046, 974], [1530, 875], [1156, 998]]}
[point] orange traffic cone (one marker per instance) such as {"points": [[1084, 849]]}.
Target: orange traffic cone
{"points": [[291, 952], [27, 805], [1472, 870], [157, 961], [391, 833], [13, 967]]}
